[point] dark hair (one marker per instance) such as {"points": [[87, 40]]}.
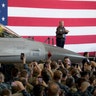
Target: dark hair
{"points": [[85, 53], [66, 57], [70, 81], [23, 73], [5, 92], [57, 75], [14, 72], [53, 65], [94, 73], [64, 72], [74, 64], [45, 75], [79, 82], [84, 73], [37, 90], [92, 78]]}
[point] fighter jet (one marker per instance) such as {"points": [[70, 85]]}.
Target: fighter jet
{"points": [[12, 46]]}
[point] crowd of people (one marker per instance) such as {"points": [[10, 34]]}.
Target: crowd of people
{"points": [[49, 78]]}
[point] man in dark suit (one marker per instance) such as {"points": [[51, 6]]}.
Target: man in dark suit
{"points": [[61, 34]]}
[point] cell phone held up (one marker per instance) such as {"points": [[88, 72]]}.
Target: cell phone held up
{"points": [[22, 56]]}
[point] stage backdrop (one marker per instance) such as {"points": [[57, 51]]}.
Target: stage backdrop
{"points": [[39, 19]]}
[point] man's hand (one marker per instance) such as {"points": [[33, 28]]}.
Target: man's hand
{"points": [[19, 85], [67, 31]]}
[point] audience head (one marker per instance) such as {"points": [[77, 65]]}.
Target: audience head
{"points": [[45, 75], [54, 65], [14, 72], [92, 80], [85, 75], [84, 86], [53, 89], [24, 74], [70, 81], [67, 61], [57, 75], [6, 92], [38, 90], [86, 54]]}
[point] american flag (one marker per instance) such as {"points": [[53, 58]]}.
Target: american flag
{"points": [[39, 18]]}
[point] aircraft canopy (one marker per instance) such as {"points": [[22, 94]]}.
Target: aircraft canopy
{"points": [[7, 33]]}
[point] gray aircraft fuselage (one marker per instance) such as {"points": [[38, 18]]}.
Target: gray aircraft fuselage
{"points": [[11, 49]]}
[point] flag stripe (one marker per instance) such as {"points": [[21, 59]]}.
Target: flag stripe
{"points": [[50, 13], [78, 0], [81, 47], [69, 40], [50, 31], [53, 4], [50, 21]]}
